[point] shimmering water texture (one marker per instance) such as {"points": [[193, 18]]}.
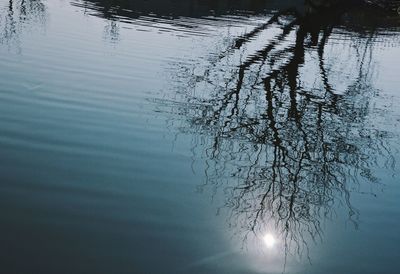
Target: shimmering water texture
{"points": [[199, 137]]}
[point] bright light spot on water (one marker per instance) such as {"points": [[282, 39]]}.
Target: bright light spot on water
{"points": [[269, 240]]}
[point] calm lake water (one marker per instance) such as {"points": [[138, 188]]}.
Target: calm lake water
{"points": [[198, 137]]}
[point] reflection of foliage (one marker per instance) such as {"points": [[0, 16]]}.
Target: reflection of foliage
{"points": [[285, 148], [20, 14], [111, 31]]}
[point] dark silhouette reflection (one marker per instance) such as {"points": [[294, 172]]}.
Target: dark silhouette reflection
{"points": [[177, 8], [16, 15], [286, 144], [164, 11], [188, 16]]}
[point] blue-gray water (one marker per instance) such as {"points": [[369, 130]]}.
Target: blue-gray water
{"points": [[195, 137]]}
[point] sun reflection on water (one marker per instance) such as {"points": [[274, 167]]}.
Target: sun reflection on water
{"points": [[269, 240]]}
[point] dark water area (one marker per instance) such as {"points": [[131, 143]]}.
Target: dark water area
{"points": [[199, 137]]}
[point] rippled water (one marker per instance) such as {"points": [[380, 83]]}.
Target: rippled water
{"points": [[198, 137]]}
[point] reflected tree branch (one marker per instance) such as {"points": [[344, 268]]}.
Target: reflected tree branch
{"points": [[282, 151]]}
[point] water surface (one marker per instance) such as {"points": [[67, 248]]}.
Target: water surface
{"points": [[195, 137]]}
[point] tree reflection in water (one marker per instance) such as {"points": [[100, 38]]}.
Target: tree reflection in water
{"points": [[287, 146], [285, 143], [26, 13], [17, 15]]}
